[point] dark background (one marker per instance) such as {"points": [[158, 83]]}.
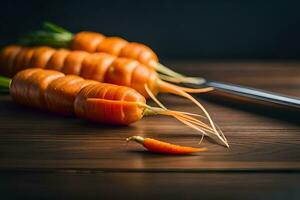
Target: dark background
{"points": [[174, 29]]}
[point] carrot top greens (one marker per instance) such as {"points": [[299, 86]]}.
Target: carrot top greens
{"points": [[4, 84], [49, 35]]}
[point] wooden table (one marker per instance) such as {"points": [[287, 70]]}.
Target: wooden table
{"points": [[47, 156]]}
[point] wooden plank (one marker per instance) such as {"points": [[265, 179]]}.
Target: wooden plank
{"points": [[32, 139], [81, 185]]}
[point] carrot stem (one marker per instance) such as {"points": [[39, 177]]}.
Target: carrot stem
{"points": [[4, 85], [49, 26], [175, 77], [50, 35], [182, 79], [165, 70], [175, 89], [4, 82]]}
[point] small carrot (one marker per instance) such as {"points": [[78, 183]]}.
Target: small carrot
{"points": [[157, 146]]}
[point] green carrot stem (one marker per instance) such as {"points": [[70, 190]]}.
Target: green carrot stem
{"points": [[51, 35], [47, 38], [4, 85], [165, 70], [4, 82], [48, 26]]}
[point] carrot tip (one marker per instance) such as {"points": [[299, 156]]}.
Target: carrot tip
{"points": [[136, 138], [202, 149]]}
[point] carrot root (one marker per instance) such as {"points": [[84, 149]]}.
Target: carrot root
{"points": [[187, 119]]}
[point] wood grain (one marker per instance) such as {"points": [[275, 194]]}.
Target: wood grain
{"points": [[260, 140], [81, 185]]}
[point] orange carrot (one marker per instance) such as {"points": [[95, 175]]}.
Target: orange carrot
{"points": [[92, 42], [72, 95], [157, 146], [95, 66], [100, 67]]}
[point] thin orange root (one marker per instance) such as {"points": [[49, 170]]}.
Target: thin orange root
{"points": [[186, 118]]}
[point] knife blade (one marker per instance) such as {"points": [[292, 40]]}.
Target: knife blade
{"points": [[249, 93]]}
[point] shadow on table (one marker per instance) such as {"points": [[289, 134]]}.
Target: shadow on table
{"points": [[149, 154], [257, 107], [24, 118]]}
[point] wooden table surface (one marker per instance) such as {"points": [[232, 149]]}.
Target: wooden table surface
{"points": [[41, 152]]}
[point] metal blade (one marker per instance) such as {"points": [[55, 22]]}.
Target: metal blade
{"points": [[251, 93]]}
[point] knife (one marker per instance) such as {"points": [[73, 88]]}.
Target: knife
{"points": [[248, 93]]}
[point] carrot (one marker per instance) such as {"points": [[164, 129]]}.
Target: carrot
{"points": [[53, 35], [101, 102], [96, 66], [157, 146]]}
